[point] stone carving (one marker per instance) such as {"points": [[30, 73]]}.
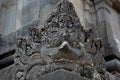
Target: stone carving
{"points": [[34, 34], [21, 42], [97, 42], [60, 44], [87, 33]]}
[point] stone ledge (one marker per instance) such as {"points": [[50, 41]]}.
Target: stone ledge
{"points": [[62, 75], [113, 65]]}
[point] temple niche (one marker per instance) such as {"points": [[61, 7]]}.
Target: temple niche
{"points": [[60, 49]]}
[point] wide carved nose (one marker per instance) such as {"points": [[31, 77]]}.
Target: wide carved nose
{"points": [[67, 52], [66, 48]]}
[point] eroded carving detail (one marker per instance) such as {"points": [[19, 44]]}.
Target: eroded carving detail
{"points": [[61, 44]]}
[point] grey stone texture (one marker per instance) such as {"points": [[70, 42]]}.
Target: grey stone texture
{"points": [[7, 73], [62, 75], [60, 39], [61, 44]]}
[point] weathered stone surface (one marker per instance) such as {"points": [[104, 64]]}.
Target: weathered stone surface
{"points": [[8, 10], [113, 65], [60, 44], [7, 73], [109, 76], [54, 45], [62, 75]]}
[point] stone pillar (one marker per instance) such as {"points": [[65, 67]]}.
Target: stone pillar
{"points": [[101, 12], [112, 27]]}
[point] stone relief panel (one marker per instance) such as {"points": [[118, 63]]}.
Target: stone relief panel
{"points": [[63, 43], [7, 22]]}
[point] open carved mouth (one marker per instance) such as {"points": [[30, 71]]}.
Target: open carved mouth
{"points": [[66, 53]]}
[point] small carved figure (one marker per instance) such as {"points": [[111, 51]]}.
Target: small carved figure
{"points": [[21, 42], [87, 32], [97, 42]]}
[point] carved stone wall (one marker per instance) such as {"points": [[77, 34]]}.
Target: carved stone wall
{"points": [[62, 40], [63, 45]]}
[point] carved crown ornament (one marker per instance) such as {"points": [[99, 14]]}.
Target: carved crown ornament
{"points": [[61, 44]]}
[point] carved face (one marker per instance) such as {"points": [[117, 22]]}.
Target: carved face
{"points": [[58, 42], [62, 34], [64, 43]]}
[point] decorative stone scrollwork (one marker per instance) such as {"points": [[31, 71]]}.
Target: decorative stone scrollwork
{"points": [[34, 33], [21, 42], [58, 45]]}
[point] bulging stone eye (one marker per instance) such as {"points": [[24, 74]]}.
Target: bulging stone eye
{"points": [[66, 36], [57, 42]]}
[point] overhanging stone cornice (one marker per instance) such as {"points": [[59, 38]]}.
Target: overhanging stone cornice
{"points": [[113, 3]]}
